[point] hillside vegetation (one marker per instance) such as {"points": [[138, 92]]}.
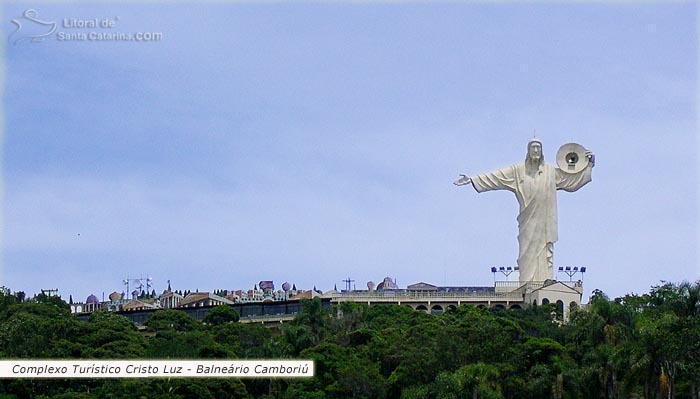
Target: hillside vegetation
{"points": [[637, 346]]}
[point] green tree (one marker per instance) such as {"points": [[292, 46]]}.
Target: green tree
{"points": [[670, 328], [315, 317], [196, 344], [38, 330], [171, 320], [221, 315], [111, 336], [342, 373], [6, 301], [247, 340], [599, 341], [52, 300]]}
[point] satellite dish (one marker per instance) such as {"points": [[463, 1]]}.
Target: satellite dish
{"points": [[571, 158]]}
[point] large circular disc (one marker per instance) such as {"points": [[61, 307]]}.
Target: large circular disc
{"points": [[571, 158]]}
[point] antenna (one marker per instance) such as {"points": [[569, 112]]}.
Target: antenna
{"points": [[139, 283], [126, 283], [348, 283]]}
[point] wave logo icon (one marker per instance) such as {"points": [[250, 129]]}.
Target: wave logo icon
{"points": [[31, 29]]}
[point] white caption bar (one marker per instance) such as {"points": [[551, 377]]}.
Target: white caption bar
{"points": [[155, 368]]}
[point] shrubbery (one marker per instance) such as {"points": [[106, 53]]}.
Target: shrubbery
{"points": [[635, 346]]}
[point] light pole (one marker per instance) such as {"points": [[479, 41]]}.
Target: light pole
{"points": [[571, 271], [506, 271]]}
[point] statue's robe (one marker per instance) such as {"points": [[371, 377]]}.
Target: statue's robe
{"points": [[537, 221]]}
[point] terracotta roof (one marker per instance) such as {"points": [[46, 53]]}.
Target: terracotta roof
{"points": [[200, 296]]}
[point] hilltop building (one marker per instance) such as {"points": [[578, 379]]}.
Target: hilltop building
{"points": [[420, 296], [437, 299], [263, 292]]}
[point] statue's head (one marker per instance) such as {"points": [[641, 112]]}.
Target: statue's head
{"points": [[534, 151]]}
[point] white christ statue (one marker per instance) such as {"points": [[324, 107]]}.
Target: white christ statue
{"points": [[534, 184]]}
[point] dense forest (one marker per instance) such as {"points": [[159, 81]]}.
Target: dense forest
{"points": [[637, 346]]}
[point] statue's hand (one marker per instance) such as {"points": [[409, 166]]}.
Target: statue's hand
{"points": [[591, 157], [463, 180]]}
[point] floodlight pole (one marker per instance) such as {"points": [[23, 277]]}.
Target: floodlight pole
{"points": [[571, 271], [506, 271]]}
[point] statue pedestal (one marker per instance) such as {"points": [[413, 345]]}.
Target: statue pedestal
{"points": [[565, 294]]}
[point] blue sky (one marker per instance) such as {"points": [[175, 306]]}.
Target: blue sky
{"points": [[309, 142]]}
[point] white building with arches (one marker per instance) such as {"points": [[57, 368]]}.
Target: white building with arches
{"points": [[504, 295]]}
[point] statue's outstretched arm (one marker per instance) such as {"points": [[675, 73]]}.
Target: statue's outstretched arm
{"points": [[463, 180]]}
